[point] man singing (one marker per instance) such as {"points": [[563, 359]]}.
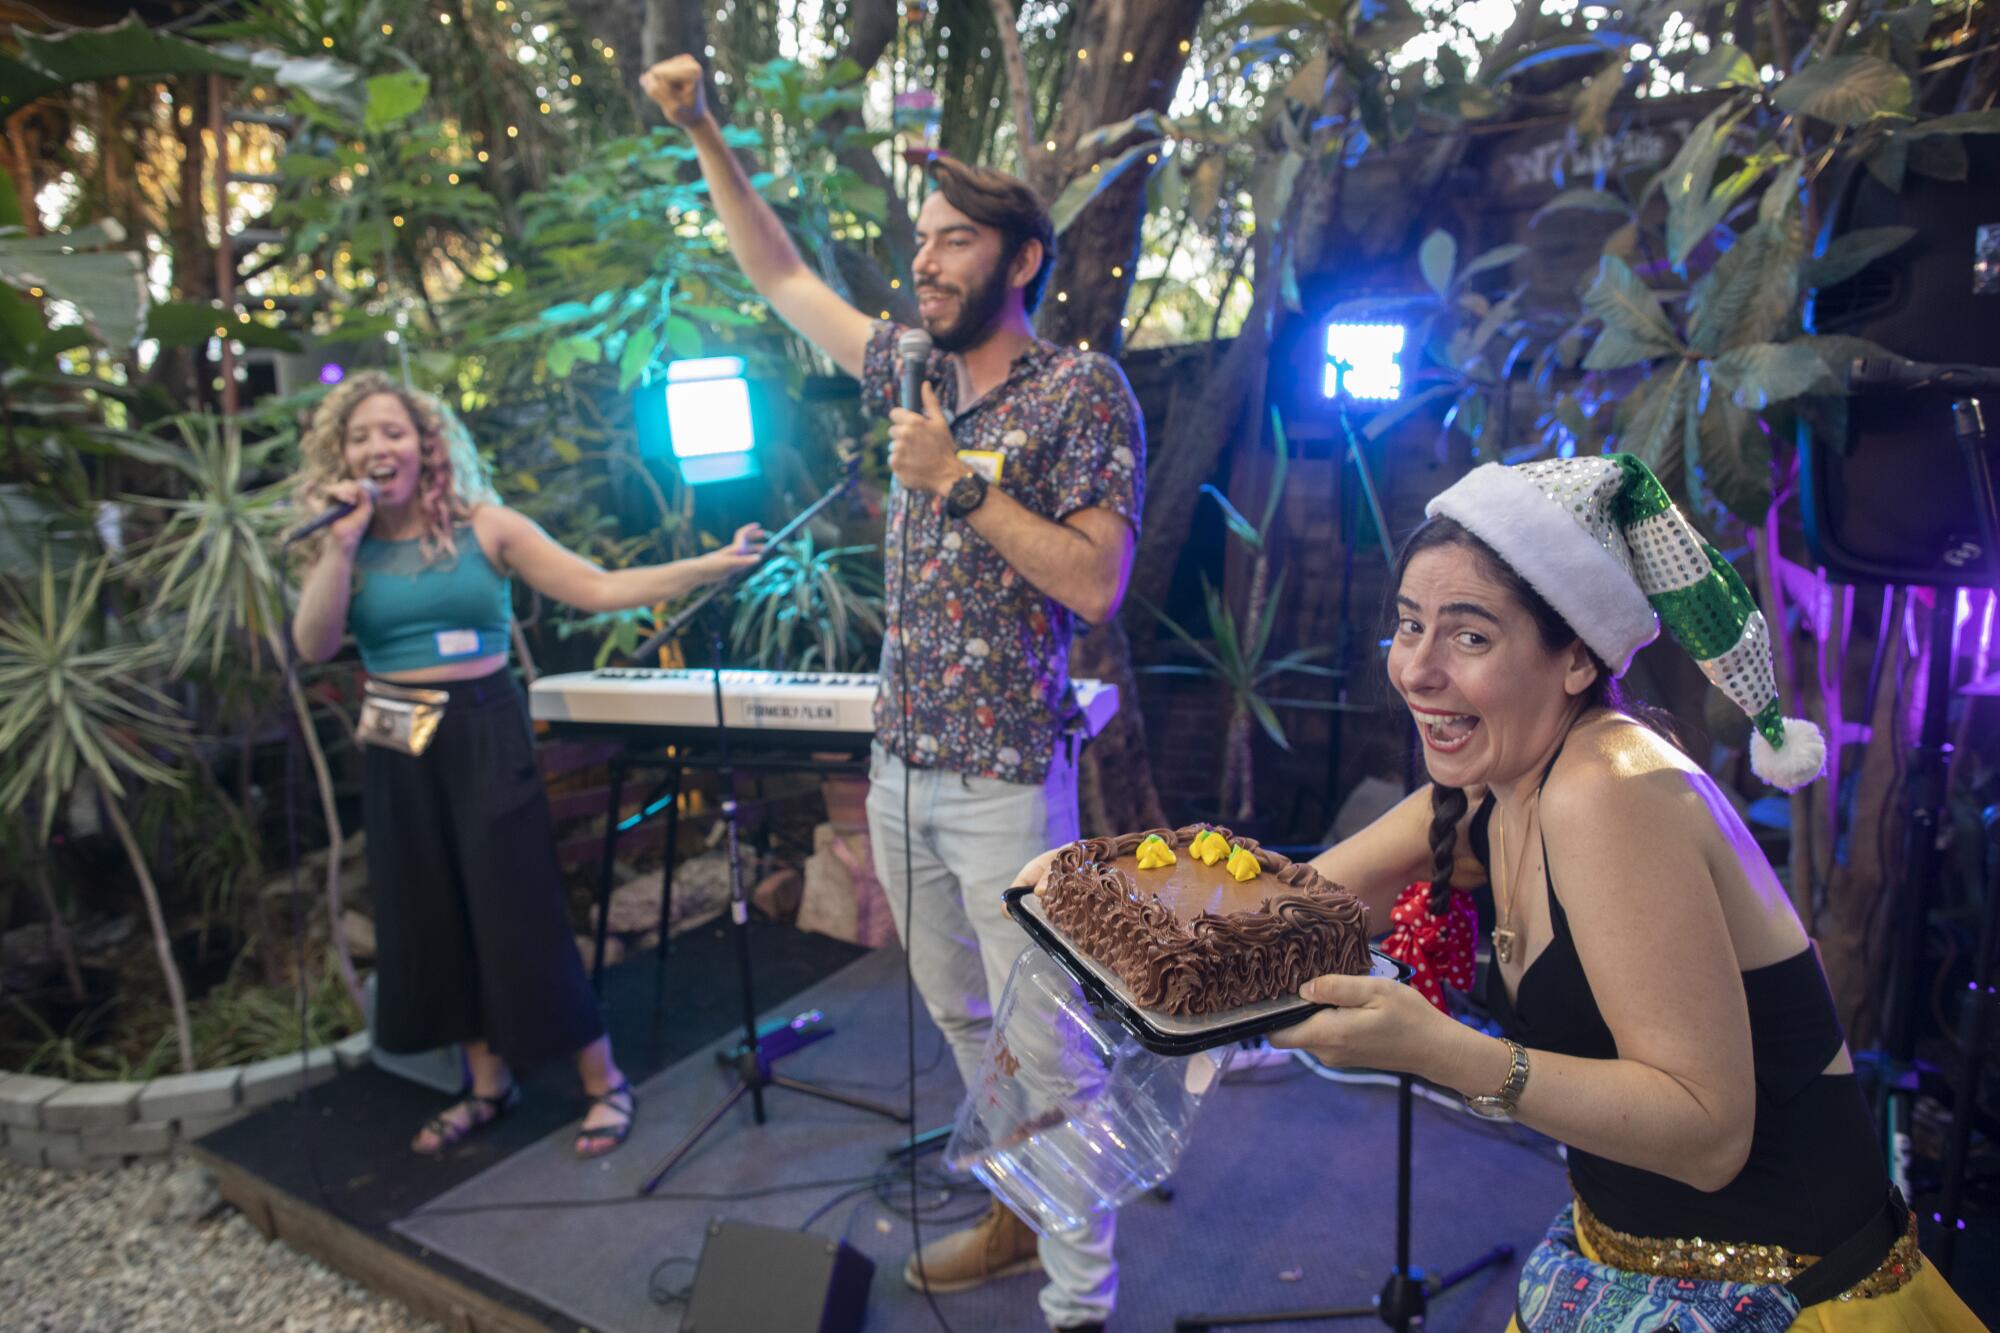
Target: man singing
{"points": [[1014, 512]]}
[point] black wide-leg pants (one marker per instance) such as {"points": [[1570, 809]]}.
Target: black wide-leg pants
{"points": [[472, 943]]}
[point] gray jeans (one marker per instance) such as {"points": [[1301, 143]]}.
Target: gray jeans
{"points": [[967, 839]]}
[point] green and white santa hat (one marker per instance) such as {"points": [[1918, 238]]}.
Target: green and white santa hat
{"points": [[1599, 538]]}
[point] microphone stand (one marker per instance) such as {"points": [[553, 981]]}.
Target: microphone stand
{"points": [[753, 1057]]}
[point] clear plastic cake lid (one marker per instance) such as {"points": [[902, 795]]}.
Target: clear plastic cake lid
{"points": [[1157, 1030]]}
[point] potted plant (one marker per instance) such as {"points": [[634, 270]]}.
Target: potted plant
{"points": [[810, 608]]}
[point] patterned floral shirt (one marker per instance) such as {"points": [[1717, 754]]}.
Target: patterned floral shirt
{"points": [[988, 666]]}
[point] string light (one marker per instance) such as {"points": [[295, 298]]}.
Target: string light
{"points": [[608, 53], [1062, 296], [1083, 345], [1185, 48], [482, 155], [1082, 54], [545, 108], [895, 284], [576, 80], [445, 19], [1151, 158], [1117, 270], [1125, 323], [513, 131], [269, 304], [1051, 145], [885, 314], [452, 178], [398, 219], [327, 42], [35, 292], [388, 29], [1128, 57], [319, 274]]}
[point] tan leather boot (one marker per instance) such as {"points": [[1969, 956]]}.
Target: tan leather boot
{"points": [[997, 1245]]}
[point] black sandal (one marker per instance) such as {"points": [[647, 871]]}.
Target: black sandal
{"points": [[450, 1133], [610, 1136]]}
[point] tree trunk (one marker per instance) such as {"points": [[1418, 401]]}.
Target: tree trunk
{"points": [[162, 942], [1102, 90], [1848, 930], [323, 778], [872, 26], [59, 935]]}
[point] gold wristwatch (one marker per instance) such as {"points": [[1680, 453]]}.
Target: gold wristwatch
{"points": [[1500, 1105]]}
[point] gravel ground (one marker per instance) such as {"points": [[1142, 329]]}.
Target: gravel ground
{"points": [[150, 1246]]}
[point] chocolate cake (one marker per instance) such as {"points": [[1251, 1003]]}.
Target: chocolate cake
{"points": [[1193, 936]]}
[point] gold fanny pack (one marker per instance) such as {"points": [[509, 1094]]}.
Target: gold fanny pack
{"points": [[398, 717]]}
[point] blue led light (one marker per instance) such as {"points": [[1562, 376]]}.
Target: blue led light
{"points": [[699, 415], [1364, 361]]}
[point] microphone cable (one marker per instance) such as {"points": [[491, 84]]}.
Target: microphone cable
{"points": [[909, 887]]}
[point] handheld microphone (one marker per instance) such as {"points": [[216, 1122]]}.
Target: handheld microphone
{"points": [[335, 512], [915, 349]]}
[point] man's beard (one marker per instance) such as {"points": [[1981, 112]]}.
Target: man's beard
{"points": [[977, 311]]}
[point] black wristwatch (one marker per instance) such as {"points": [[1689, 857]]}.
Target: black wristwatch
{"points": [[966, 494]]}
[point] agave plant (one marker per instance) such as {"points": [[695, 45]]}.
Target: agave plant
{"points": [[75, 705], [212, 572], [806, 609], [1234, 652]]}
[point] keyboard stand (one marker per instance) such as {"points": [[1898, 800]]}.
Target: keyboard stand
{"points": [[664, 799]]}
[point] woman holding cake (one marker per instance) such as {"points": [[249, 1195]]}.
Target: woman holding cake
{"points": [[1665, 1014]]}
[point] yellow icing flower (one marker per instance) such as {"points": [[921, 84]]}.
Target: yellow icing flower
{"points": [[1208, 847], [1155, 854], [1242, 865]]}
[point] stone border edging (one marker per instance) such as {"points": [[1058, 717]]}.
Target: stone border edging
{"points": [[54, 1123]]}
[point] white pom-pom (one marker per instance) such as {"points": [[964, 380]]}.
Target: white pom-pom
{"points": [[1800, 761]]}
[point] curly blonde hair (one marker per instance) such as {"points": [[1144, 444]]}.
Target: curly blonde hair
{"points": [[452, 478]]}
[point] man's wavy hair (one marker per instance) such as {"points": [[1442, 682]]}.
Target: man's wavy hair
{"points": [[1448, 804], [1006, 204], [452, 479]]}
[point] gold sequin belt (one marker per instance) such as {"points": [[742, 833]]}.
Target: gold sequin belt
{"points": [[1732, 1261]]}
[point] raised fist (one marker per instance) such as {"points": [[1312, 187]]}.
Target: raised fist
{"points": [[675, 85]]}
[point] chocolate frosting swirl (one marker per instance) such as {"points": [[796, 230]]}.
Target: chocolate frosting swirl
{"points": [[1211, 963]]}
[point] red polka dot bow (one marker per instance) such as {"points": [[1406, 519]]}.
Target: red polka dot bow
{"points": [[1436, 948]]}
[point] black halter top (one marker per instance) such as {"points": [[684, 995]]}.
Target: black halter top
{"points": [[1814, 1175]]}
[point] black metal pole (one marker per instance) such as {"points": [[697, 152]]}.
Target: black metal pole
{"points": [[739, 909], [604, 870]]}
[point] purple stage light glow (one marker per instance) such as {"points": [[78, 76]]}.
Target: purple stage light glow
{"points": [[331, 373]]}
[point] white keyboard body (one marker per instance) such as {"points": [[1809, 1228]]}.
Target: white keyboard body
{"points": [[818, 702]]}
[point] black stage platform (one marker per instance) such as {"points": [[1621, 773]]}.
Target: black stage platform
{"points": [[1284, 1199], [337, 1167]]}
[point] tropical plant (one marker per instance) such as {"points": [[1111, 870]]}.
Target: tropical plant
{"points": [[1234, 654], [807, 609], [214, 583], [75, 705]]}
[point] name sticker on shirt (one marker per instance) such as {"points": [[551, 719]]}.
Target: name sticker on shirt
{"points": [[457, 642], [986, 462]]}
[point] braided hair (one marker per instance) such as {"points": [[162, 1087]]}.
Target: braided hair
{"points": [[1447, 808]]}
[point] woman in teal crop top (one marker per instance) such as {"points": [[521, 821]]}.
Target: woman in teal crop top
{"points": [[472, 945]]}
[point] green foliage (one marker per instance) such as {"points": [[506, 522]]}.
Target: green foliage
{"points": [[808, 609], [74, 700]]}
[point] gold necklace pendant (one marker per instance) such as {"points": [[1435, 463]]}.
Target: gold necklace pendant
{"points": [[1504, 939]]}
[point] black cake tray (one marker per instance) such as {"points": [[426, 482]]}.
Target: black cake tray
{"points": [[1159, 1032]]}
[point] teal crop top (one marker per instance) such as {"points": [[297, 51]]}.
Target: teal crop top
{"points": [[407, 614]]}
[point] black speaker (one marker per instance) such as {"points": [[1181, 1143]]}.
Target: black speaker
{"points": [[754, 1279], [1894, 502]]}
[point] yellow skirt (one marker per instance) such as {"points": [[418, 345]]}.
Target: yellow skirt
{"points": [[1924, 1304]]}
